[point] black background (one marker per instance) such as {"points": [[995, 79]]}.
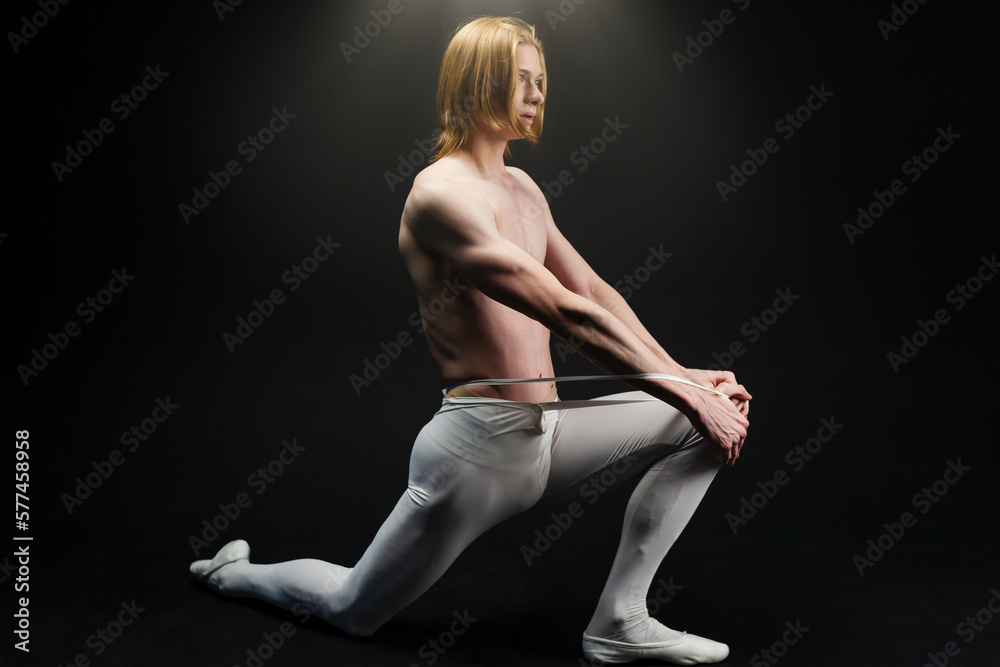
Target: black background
{"points": [[325, 176]]}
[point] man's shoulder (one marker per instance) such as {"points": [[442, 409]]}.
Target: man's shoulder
{"points": [[441, 175], [527, 184], [522, 177], [518, 173], [441, 192], [437, 185]]}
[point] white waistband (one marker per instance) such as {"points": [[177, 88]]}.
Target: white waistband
{"points": [[575, 378]]}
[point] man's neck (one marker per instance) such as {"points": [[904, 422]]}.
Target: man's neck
{"points": [[484, 151]]}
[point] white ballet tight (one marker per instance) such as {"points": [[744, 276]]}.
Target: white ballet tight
{"points": [[480, 461]]}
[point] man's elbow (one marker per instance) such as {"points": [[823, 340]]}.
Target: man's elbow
{"points": [[587, 286], [600, 291]]}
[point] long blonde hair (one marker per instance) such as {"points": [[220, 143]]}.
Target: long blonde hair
{"points": [[478, 82]]}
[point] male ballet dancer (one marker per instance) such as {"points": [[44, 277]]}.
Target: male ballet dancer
{"points": [[493, 450]]}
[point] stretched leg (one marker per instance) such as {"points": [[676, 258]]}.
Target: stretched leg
{"points": [[680, 470], [469, 470]]}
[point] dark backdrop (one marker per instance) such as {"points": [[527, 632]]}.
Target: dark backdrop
{"points": [[117, 519]]}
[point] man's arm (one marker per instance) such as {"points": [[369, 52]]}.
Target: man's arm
{"points": [[458, 223], [573, 271], [566, 264]]}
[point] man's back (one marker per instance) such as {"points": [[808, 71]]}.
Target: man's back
{"points": [[470, 334]]}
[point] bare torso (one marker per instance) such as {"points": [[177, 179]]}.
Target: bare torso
{"points": [[470, 335]]}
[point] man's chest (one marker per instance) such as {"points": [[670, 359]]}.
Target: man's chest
{"points": [[520, 221]]}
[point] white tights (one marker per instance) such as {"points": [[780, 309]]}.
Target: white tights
{"points": [[478, 462]]}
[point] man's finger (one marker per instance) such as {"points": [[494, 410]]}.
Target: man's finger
{"points": [[734, 391], [741, 392], [742, 405], [724, 377]]}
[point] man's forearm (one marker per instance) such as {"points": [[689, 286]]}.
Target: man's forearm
{"points": [[608, 298], [605, 339]]}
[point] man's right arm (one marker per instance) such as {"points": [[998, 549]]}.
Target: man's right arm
{"points": [[458, 223]]}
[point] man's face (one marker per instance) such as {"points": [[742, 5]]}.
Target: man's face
{"points": [[529, 83]]}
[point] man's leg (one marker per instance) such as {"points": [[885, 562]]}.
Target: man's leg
{"points": [[469, 470], [679, 467]]}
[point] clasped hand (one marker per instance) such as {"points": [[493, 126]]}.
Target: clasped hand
{"points": [[721, 421]]}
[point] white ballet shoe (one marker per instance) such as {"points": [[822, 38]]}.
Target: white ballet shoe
{"points": [[230, 553], [687, 650]]}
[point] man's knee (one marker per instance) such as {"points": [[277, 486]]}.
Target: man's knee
{"points": [[351, 621], [705, 455], [347, 614], [684, 431], [360, 627]]}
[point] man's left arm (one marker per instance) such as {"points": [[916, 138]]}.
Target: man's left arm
{"points": [[573, 271], [562, 259]]}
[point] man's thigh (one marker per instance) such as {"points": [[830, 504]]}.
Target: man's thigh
{"points": [[629, 435]]}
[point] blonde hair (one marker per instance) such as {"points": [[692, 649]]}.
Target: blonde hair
{"points": [[478, 82]]}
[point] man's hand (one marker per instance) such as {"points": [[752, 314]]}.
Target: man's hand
{"points": [[725, 382], [722, 422]]}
